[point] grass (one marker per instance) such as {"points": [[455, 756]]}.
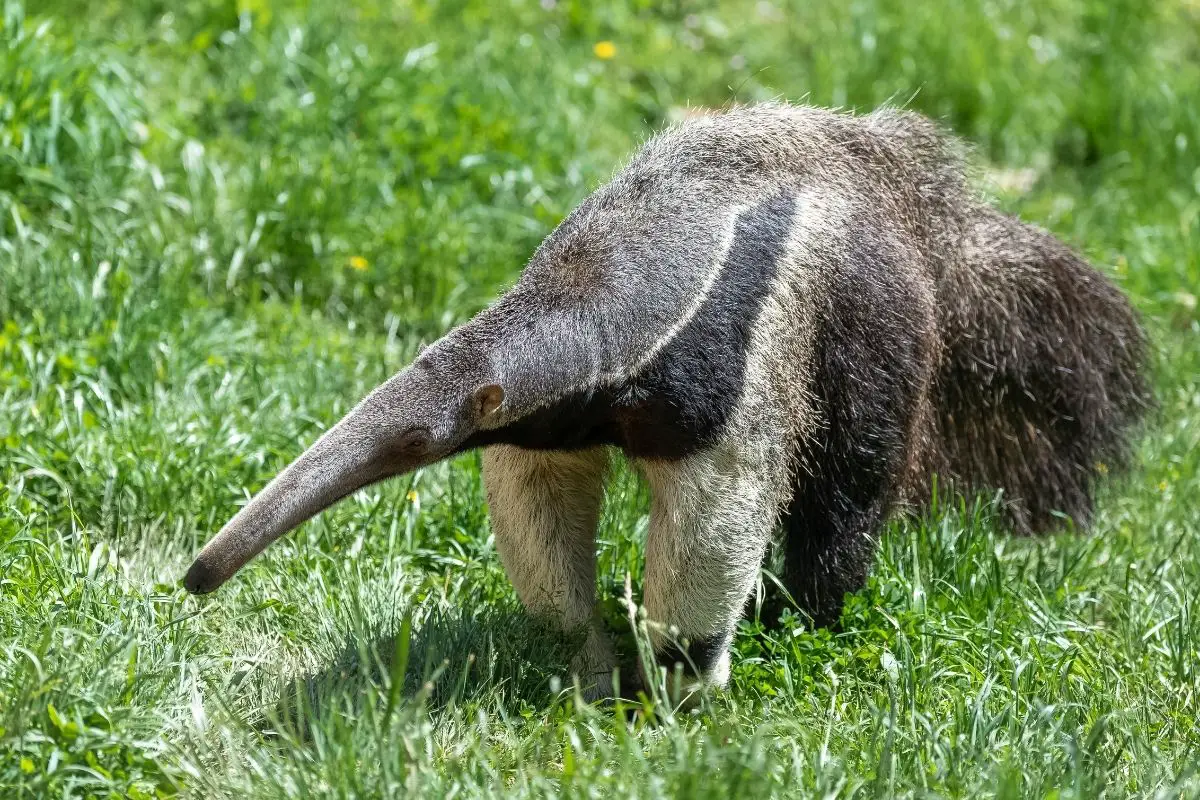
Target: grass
{"points": [[221, 223]]}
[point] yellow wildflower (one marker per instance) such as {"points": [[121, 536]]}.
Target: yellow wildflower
{"points": [[605, 50], [412, 496], [358, 262]]}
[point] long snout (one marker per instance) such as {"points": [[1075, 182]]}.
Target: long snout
{"points": [[348, 457]]}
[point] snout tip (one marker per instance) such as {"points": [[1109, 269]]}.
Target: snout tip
{"points": [[201, 578]]}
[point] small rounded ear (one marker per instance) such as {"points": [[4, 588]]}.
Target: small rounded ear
{"points": [[488, 399]]}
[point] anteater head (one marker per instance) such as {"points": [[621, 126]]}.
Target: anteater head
{"points": [[420, 416]]}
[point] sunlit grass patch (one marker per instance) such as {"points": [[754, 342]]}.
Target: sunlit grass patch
{"points": [[222, 223]]}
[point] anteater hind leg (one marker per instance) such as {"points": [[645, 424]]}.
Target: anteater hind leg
{"points": [[830, 543], [544, 509], [711, 519], [851, 472], [872, 385]]}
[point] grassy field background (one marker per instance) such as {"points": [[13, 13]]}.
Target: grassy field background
{"points": [[221, 223]]}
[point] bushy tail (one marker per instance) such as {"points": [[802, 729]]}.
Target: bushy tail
{"points": [[1043, 374]]}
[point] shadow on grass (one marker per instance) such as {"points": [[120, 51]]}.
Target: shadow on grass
{"points": [[500, 656]]}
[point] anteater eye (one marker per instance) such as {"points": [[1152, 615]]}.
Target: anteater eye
{"points": [[415, 442]]}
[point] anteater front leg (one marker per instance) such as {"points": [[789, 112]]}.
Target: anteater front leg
{"points": [[544, 507], [711, 519]]}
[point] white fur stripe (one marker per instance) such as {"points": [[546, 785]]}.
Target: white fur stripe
{"points": [[598, 376], [714, 274]]}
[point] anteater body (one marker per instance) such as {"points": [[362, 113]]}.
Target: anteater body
{"points": [[785, 318]]}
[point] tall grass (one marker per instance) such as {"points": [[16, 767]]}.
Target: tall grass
{"points": [[222, 222]]}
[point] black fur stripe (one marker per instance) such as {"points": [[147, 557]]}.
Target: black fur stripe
{"points": [[683, 399], [693, 386], [698, 656]]}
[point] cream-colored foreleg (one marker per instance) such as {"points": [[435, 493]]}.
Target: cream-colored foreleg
{"points": [[544, 509]]}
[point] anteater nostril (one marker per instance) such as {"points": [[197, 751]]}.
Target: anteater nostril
{"points": [[200, 578]]}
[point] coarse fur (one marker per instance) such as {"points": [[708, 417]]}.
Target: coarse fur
{"points": [[785, 317]]}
